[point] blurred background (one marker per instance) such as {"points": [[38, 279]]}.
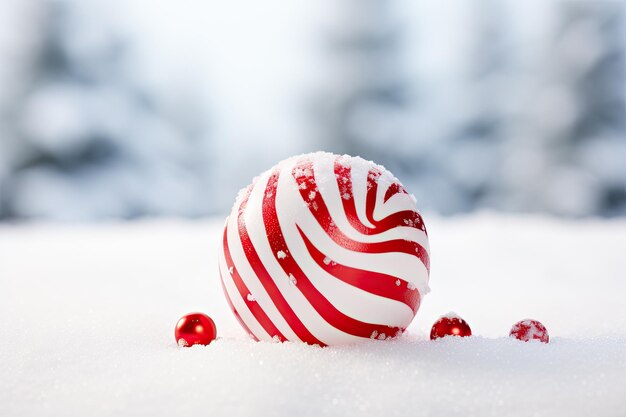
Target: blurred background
{"points": [[133, 108]]}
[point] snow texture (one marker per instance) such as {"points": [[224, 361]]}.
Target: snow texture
{"points": [[87, 317], [451, 315]]}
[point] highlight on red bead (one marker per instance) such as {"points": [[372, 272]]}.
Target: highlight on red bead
{"points": [[527, 330], [450, 325], [195, 329]]}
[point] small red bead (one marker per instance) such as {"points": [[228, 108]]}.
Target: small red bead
{"points": [[527, 330], [450, 325], [195, 329]]}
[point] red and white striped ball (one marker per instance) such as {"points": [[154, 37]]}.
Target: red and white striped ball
{"points": [[324, 249]]}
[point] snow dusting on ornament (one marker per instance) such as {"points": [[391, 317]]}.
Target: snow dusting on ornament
{"points": [[331, 249], [529, 330]]}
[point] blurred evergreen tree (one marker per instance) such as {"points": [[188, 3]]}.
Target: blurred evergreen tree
{"points": [[520, 121], [91, 140]]}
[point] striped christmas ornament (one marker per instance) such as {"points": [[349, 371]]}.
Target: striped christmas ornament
{"points": [[324, 249]]}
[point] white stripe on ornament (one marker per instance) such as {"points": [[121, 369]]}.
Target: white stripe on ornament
{"points": [[331, 194], [248, 275], [241, 307], [407, 267], [287, 196], [348, 299], [359, 172]]}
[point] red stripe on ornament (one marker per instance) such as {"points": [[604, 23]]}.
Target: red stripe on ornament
{"points": [[305, 177], [234, 310], [405, 218], [252, 305], [321, 304], [376, 283], [402, 218], [266, 280], [393, 189]]}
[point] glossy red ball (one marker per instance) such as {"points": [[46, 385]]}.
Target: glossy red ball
{"points": [[527, 330], [195, 329], [450, 325]]}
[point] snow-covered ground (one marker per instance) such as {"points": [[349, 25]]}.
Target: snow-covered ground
{"points": [[87, 317]]}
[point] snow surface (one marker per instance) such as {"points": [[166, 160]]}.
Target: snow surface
{"points": [[87, 317]]}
